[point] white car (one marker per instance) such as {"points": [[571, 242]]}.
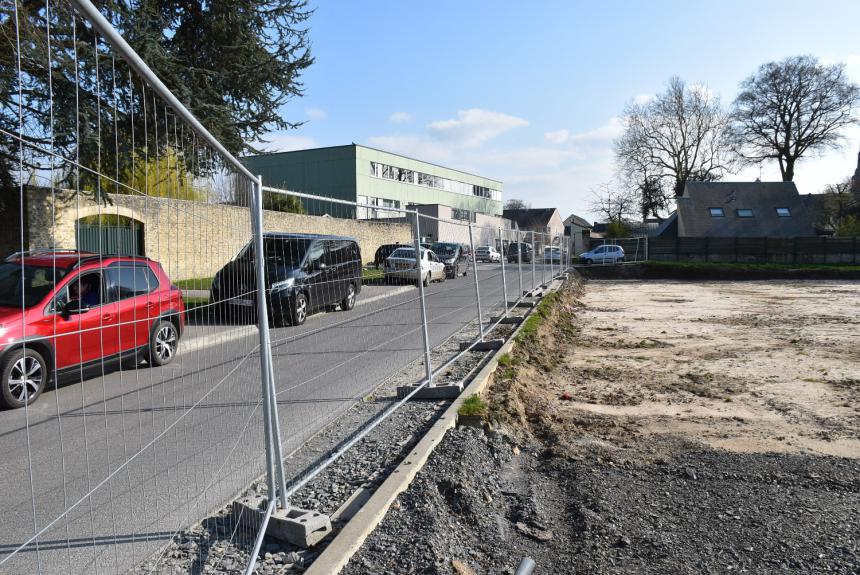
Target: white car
{"points": [[400, 266], [603, 255], [487, 254], [552, 255]]}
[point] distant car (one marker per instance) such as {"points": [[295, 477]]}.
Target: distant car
{"points": [[454, 258], [603, 255], [519, 250], [487, 254], [69, 314], [383, 252], [304, 272], [401, 267], [552, 255]]}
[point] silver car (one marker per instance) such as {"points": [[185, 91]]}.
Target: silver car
{"points": [[603, 255], [400, 266]]}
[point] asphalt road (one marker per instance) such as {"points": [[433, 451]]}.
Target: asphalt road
{"points": [[138, 454]]}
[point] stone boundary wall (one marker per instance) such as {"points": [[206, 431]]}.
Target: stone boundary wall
{"points": [[190, 239]]}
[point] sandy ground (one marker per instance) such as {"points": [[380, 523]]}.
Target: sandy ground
{"points": [[741, 366]]}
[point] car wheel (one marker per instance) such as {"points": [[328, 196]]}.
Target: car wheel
{"points": [[163, 343], [349, 301], [24, 374], [299, 311], [589, 261], [619, 260]]}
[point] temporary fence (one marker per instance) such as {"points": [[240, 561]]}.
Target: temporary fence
{"points": [[146, 389], [605, 251]]}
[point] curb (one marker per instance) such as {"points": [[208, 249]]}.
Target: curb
{"points": [[352, 536]]}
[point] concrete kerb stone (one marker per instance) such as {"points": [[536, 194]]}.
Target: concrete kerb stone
{"points": [[354, 533]]}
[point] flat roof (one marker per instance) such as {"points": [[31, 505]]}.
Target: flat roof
{"points": [[354, 145]]}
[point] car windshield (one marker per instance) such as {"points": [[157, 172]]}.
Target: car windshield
{"points": [[283, 251], [30, 283], [443, 249], [404, 253]]}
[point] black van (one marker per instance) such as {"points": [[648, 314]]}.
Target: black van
{"points": [[304, 272], [453, 256], [385, 250], [518, 250]]}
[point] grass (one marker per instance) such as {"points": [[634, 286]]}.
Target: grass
{"points": [[541, 312], [372, 274], [194, 283], [473, 405], [748, 266]]}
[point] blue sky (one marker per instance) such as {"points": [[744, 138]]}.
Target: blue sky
{"points": [[530, 93]]}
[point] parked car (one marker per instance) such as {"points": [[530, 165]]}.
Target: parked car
{"points": [[70, 314], [454, 258], [552, 255], [487, 254], [517, 250], [603, 255], [383, 252], [304, 273], [401, 266]]}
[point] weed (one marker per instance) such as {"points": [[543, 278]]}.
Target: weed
{"points": [[473, 405]]}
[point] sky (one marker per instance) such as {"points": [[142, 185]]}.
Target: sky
{"points": [[531, 93]]}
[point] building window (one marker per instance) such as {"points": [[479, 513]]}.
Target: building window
{"points": [[717, 212], [387, 172], [744, 213], [463, 215], [783, 212]]}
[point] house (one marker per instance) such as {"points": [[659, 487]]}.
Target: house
{"points": [[738, 210], [578, 230], [539, 220]]}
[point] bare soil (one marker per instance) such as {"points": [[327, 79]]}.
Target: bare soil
{"points": [[660, 427]]}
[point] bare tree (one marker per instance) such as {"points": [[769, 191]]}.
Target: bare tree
{"points": [[839, 202], [792, 107], [678, 136], [515, 204], [613, 203]]}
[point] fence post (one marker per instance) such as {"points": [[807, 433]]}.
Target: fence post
{"points": [[520, 260], [794, 251], [736, 249], [824, 248], [273, 460], [854, 257], [477, 289], [677, 248], [420, 279], [707, 249], [534, 257], [764, 247], [504, 278]]}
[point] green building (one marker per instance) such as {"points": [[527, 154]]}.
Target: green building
{"points": [[375, 179]]}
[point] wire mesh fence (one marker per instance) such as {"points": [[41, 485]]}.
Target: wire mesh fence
{"points": [[169, 333]]}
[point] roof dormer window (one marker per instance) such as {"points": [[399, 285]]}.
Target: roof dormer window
{"points": [[744, 213], [717, 212], [783, 212]]}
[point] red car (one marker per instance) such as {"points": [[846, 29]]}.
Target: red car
{"points": [[70, 313]]}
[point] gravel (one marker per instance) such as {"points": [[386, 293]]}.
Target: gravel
{"points": [[484, 502], [214, 546]]}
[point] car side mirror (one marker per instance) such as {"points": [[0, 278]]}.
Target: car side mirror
{"points": [[318, 266], [74, 307]]}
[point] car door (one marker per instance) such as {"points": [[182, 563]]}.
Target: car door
{"points": [[87, 337], [130, 284], [336, 259], [315, 273]]}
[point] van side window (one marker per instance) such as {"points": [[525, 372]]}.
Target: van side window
{"points": [[315, 254]]}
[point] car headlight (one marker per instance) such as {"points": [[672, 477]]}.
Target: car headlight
{"points": [[287, 283], [449, 261]]}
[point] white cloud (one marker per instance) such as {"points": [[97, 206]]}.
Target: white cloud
{"points": [[642, 99], [316, 113], [557, 137], [400, 117], [604, 134], [474, 127], [286, 142]]}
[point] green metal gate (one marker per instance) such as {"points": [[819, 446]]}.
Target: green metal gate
{"points": [[114, 240]]}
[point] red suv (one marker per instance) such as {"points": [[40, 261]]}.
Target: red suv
{"points": [[71, 313]]}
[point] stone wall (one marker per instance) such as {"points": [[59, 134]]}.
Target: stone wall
{"points": [[190, 239]]}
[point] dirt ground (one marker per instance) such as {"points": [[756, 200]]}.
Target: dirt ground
{"points": [[653, 428], [741, 366]]}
